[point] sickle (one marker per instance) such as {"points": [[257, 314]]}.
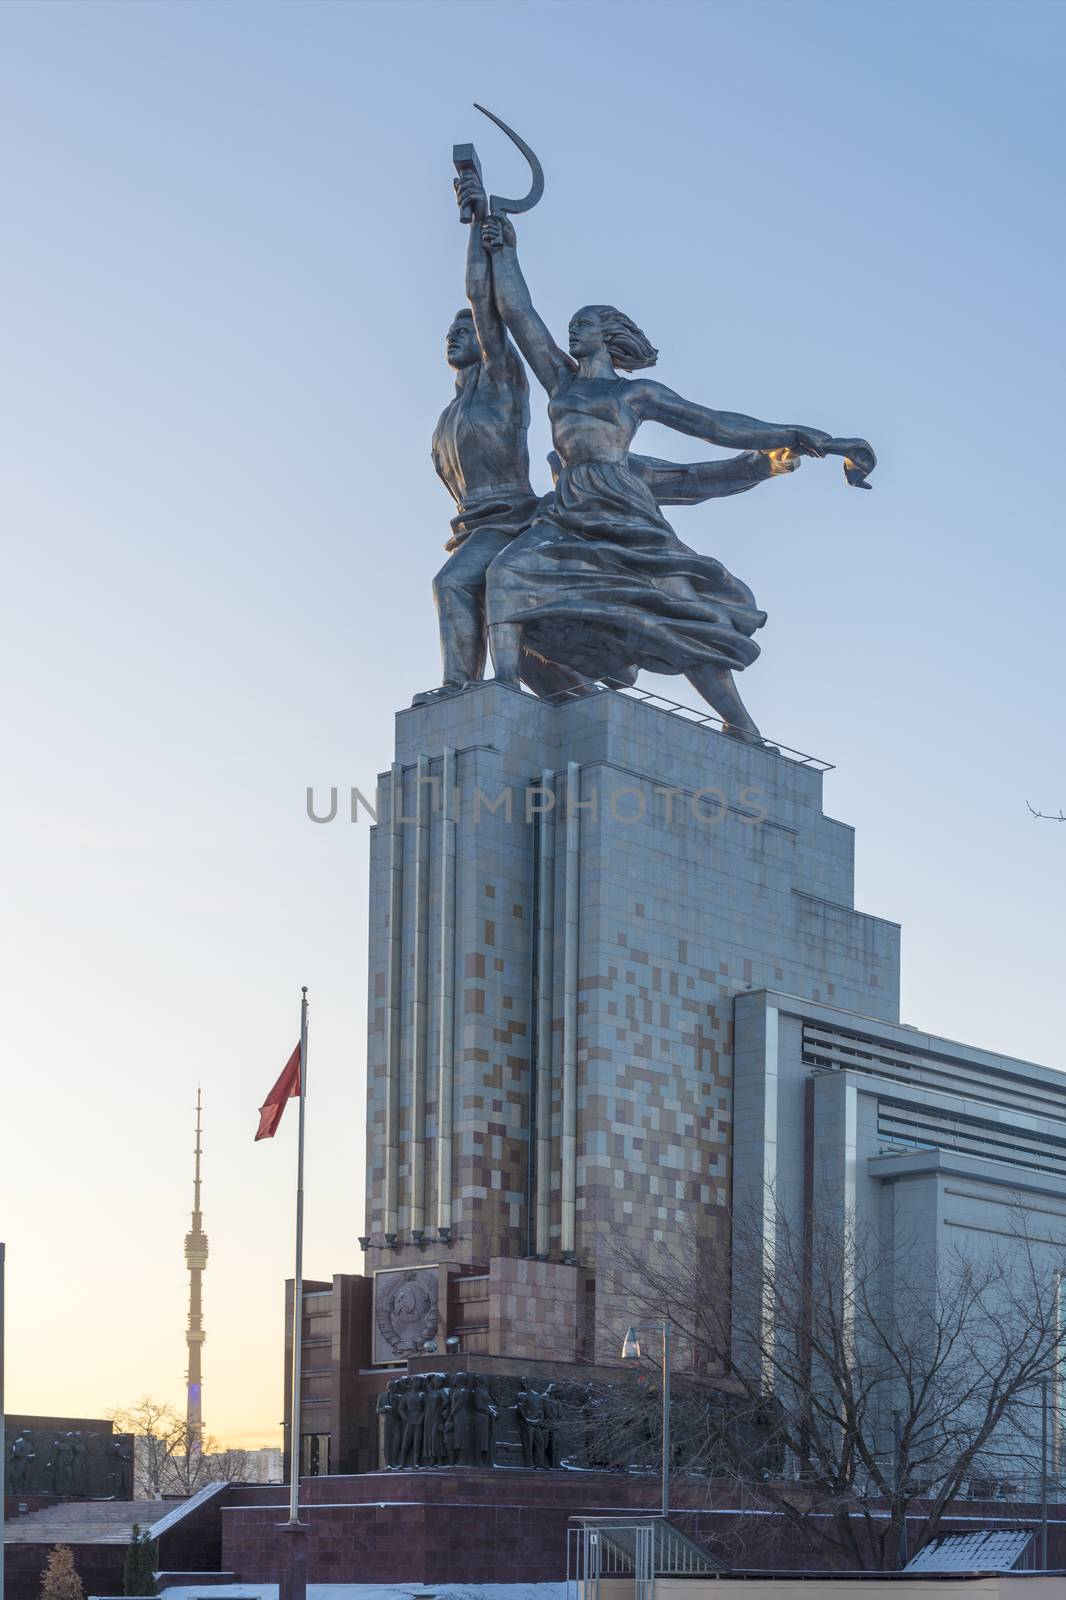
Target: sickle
{"points": [[498, 203]]}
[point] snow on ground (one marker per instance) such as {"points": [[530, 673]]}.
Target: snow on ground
{"points": [[372, 1591]]}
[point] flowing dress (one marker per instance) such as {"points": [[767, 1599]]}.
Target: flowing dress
{"points": [[602, 584]]}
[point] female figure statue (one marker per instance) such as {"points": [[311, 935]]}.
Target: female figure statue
{"points": [[600, 581]]}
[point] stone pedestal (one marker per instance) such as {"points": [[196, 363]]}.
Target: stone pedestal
{"points": [[291, 1573], [564, 902]]}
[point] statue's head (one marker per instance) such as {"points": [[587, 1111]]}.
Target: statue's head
{"points": [[461, 346], [596, 328]]}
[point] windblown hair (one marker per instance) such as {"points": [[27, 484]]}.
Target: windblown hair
{"points": [[627, 345]]}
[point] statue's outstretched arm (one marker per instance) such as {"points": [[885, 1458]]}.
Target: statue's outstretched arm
{"points": [[689, 483], [516, 307], [654, 402]]}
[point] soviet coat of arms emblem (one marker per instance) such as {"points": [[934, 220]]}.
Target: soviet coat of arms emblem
{"points": [[405, 1311]]}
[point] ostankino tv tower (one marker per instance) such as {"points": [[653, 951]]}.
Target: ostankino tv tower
{"points": [[196, 1261]]}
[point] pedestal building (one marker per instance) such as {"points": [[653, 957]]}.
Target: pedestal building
{"points": [[619, 988], [565, 901]]}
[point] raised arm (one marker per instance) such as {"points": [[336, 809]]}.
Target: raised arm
{"points": [[513, 300], [488, 324], [654, 402]]}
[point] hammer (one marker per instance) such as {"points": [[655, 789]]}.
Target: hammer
{"points": [[465, 158]]}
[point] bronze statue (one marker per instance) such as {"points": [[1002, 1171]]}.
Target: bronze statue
{"points": [[480, 452], [122, 1471], [22, 1457], [387, 1406], [79, 1463], [533, 1426], [435, 1451], [591, 584], [484, 1428], [413, 1417], [461, 1417], [481, 456], [600, 579], [63, 1464]]}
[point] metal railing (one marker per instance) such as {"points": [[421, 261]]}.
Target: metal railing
{"points": [[675, 709], [637, 1548]]}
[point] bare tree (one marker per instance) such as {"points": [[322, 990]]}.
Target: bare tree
{"points": [[155, 1428], [1047, 816], [191, 1468], [168, 1459], [854, 1385], [227, 1466]]}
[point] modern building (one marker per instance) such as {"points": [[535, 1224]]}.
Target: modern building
{"points": [[906, 1154], [619, 987]]}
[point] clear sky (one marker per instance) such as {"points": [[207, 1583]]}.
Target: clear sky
{"points": [[231, 254]]}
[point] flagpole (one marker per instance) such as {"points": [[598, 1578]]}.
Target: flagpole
{"points": [[298, 1287], [3, 1440]]}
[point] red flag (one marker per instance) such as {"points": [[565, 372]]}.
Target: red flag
{"points": [[286, 1088]]}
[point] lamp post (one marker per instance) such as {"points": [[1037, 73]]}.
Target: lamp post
{"points": [[1043, 1471], [631, 1351]]}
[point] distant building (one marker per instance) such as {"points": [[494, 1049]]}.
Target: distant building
{"points": [[265, 1466]]}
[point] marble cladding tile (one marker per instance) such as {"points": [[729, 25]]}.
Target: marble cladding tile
{"points": [[676, 918]]}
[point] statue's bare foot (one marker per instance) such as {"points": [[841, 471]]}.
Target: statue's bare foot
{"points": [[750, 736], [715, 683], [445, 692]]}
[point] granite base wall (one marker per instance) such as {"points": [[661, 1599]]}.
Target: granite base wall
{"points": [[511, 1526], [429, 1527], [99, 1566]]}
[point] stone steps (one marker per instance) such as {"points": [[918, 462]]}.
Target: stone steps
{"points": [[88, 1522]]}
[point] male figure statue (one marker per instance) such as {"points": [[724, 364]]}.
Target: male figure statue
{"points": [[387, 1407], [413, 1416], [481, 454]]}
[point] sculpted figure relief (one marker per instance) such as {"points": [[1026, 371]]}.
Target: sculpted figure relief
{"points": [[534, 1426], [413, 1417], [387, 1408], [63, 1464], [437, 1450], [122, 1468], [590, 584], [429, 1422], [72, 1464], [22, 1454]]}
